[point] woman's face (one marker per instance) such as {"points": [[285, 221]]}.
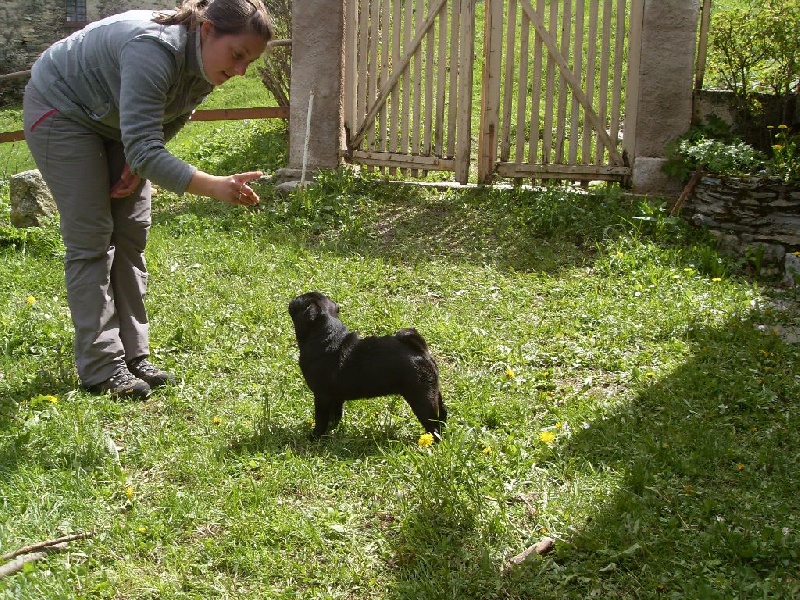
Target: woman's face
{"points": [[227, 55]]}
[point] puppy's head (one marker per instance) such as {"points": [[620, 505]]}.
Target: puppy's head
{"points": [[307, 310]]}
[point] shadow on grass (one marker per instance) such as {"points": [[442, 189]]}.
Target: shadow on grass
{"points": [[545, 230], [710, 497], [709, 501]]}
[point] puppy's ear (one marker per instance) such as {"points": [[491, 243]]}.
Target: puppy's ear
{"points": [[312, 311]]}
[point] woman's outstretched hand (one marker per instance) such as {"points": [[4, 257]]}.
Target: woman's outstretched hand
{"points": [[233, 189]]}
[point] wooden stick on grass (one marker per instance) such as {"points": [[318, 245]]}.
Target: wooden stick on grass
{"points": [[36, 551]]}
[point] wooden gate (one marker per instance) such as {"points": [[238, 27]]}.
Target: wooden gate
{"points": [[551, 87]]}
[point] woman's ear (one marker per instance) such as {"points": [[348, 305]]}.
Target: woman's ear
{"points": [[206, 29]]}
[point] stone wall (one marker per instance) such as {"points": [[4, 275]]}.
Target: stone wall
{"points": [[754, 217], [28, 27]]}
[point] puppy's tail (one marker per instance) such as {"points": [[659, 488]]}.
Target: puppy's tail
{"points": [[411, 337]]}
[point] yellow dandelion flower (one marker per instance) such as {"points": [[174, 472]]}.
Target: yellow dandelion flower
{"points": [[777, 147], [783, 126], [487, 450], [141, 529], [509, 373], [216, 420], [739, 467], [50, 399], [425, 440], [129, 492], [548, 437], [30, 300], [717, 279]]}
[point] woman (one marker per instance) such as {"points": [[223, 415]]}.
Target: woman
{"points": [[98, 111]]}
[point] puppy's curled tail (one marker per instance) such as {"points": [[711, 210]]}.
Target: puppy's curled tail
{"points": [[411, 337]]}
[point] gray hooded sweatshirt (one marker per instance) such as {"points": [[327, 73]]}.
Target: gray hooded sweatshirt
{"points": [[132, 80]]}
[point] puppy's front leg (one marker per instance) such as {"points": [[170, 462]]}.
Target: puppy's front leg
{"points": [[322, 415]]}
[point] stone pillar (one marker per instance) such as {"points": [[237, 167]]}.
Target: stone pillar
{"points": [[666, 80], [317, 34]]}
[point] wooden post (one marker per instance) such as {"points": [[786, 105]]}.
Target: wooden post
{"points": [[317, 55]]}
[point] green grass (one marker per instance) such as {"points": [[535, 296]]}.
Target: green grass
{"points": [[612, 383]]}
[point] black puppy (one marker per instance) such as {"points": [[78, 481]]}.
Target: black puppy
{"points": [[340, 365]]}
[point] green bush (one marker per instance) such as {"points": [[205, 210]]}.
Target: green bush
{"points": [[755, 50]]}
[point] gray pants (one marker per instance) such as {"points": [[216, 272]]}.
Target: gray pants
{"points": [[105, 238]]}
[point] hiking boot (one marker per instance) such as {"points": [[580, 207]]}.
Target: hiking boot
{"points": [[147, 371], [121, 384]]}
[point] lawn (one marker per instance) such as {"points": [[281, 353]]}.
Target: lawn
{"points": [[612, 383]]}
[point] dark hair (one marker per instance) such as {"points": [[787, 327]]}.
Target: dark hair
{"points": [[227, 16]]}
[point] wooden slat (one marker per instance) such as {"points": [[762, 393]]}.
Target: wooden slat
{"points": [[385, 28], [236, 114], [551, 171], [403, 161], [490, 94], [591, 57], [360, 86], [441, 86], [508, 79], [418, 69], [602, 98], [577, 61], [15, 75], [522, 90], [552, 50], [373, 68], [702, 45], [213, 114], [350, 91], [563, 86], [408, 50], [12, 136], [616, 91], [466, 59], [430, 71], [394, 115], [536, 99], [634, 62], [456, 66]]}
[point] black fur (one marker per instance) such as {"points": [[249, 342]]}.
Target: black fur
{"points": [[340, 365]]}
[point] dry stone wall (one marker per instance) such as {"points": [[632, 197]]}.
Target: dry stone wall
{"points": [[754, 217], [28, 27]]}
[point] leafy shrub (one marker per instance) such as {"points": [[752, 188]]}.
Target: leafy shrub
{"points": [[755, 50], [715, 151]]}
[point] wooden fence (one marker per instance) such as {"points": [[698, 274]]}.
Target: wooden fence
{"points": [[212, 114], [556, 111]]}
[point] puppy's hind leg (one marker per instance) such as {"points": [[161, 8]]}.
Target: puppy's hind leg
{"points": [[337, 408]]}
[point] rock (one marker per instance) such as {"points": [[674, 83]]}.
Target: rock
{"points": [[30, 199], [791, 269]]}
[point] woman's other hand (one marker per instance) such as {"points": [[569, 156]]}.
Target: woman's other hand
{"points": [[126, 184]]}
